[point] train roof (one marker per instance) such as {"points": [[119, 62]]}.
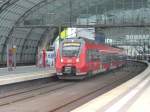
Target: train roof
{"points": [[108, 49], [102, 47]]}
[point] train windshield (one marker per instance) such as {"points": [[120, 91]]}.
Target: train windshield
{"points": [[71, 49]]}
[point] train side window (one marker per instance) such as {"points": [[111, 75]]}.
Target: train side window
{"points": [[92, 55], [88, 56], [103, 58], [121, 58], [113, 57], [107, 58], [100, 56], [95, 55]]}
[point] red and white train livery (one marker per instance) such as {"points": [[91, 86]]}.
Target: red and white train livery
{"points": [[78, 58]]}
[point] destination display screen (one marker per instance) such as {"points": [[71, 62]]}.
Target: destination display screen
{"points": [[71, 49], [71, 44]]}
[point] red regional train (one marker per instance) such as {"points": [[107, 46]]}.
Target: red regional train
{"points": [[78, 58]]}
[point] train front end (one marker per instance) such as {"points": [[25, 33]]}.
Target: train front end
{"points": [[70, 59]]}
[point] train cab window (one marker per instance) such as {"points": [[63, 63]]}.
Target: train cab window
{"points": [[70, 49]]}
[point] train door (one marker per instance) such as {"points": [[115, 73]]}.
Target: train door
{"points": [[95, 61], [89, 61]]}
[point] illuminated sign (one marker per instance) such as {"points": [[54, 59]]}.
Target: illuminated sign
{"points": [[72, 44]]}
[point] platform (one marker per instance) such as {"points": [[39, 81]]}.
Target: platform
{"points": [[132, 96], [24, 73]]}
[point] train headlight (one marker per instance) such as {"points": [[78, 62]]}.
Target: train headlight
{"points": [[62, 60], [77, 60]]}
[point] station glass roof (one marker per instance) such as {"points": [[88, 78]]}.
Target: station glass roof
{"points": [[16, 15]]}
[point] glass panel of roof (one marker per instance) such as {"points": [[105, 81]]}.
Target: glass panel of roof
{"points": [[25, 3]]}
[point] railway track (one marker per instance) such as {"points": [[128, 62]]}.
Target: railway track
{"points": [[32, 92], [64, 96], [104, 88]]}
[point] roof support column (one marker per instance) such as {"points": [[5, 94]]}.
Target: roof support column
{"points": [[40, 40], [25, 41]]}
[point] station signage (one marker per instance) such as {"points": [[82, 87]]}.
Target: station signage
{"points": [[137, 37]]}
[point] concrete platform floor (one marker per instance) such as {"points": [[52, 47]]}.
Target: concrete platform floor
{"points": [[24, 73], [132, 96]]}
